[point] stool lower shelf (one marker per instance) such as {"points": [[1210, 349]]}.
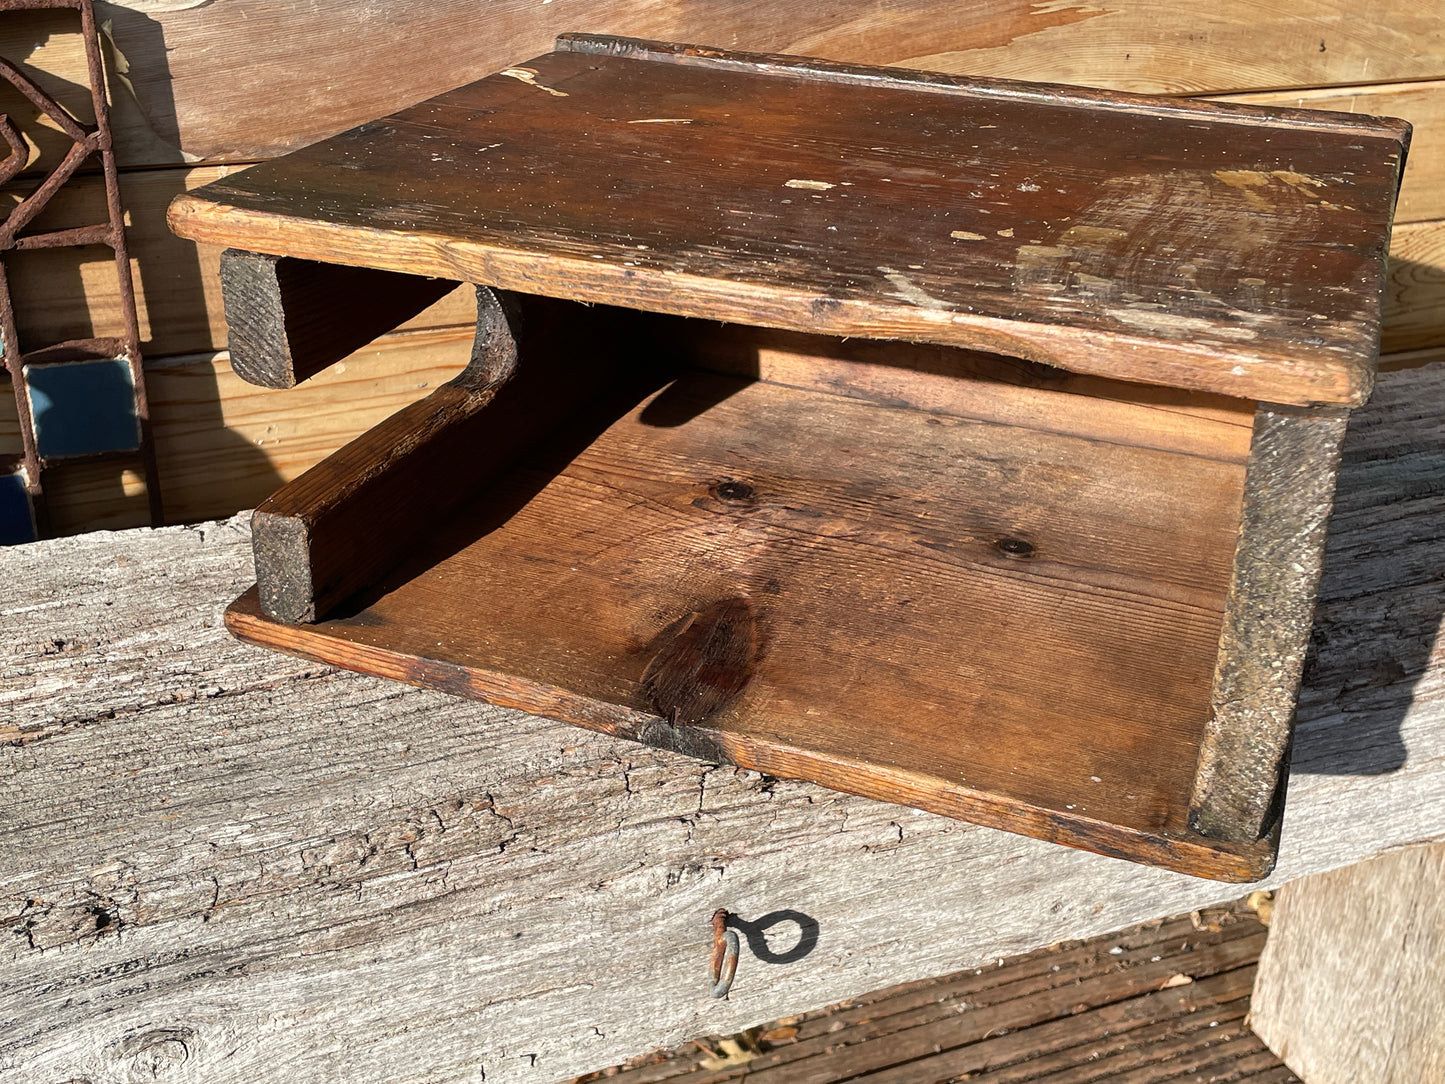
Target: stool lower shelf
{"points": [[922, 587]]}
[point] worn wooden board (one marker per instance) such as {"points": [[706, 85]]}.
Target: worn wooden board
{"points": [[247, 868], [178, 289], [1422, 193], [1349, 986], [891, 643], [1161, 1001], [1211, 246], [249, 79], [537, 364], [288, 319], [61, 294], [179, 294], [224, 444], [1415, 294]]}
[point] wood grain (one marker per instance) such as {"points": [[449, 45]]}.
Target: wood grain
{"points": [[1415, 305], [61, 295], [1422, 192], [1289, 491], [912, 1033], [986, 387], [1348, 986], [843, 213], [179, 290], [307, 873], [289, 319], [343, 524], [937, 601], [249, 79], [896, 1053]]}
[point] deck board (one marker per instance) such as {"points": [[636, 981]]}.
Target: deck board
{"points": [[1007, 1024]]}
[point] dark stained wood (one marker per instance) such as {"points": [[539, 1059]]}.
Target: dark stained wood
{"points": [[1214, 249], [343, 524], [50, 296], [703, 664], [904, 648], [867, 75], [288, 319], [1288, 494]]}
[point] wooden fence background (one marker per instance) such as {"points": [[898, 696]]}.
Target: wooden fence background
{"points": [[203, 87]]}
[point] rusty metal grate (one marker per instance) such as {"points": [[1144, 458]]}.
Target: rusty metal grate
{"points": [[30, 369]]}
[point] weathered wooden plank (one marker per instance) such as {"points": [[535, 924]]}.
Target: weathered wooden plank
{"points": [[249, 79], [1349, 987], [626, 583], [274, 870], [178, 285], [1288, 493], [224, 444], [289, 319], [1422, 193], [62, 294], [963, 1029], [1137, 1026], [824, 229], [1415, 292], [340, 527], [988, 387]]}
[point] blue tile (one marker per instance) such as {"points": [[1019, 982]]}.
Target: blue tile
{"points": [[16, 523], [83, 407]]}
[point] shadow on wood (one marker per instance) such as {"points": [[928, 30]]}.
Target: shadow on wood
{"points": [[1392, 472]]}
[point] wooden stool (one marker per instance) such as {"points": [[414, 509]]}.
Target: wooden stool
{"points": [[960, 443]]}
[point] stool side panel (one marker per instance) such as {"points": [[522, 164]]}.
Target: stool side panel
{"points": [[1289, 494]]}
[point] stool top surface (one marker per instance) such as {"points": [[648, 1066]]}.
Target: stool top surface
{"points": [[1227, 248]]}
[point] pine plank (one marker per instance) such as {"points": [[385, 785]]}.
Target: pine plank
{"points": [[249, 79], [1415, 294], [985, 387], [781, 208], [1422, 193], [63, 294], [589, 558], [224, 444], [263, 836]]}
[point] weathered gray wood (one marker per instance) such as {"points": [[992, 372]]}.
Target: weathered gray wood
{"points": [[288, 319], [234, 866], [1351, 985], [1288, 493]]}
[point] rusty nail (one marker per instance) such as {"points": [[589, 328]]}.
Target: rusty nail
{"points": [[724, 954]]}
